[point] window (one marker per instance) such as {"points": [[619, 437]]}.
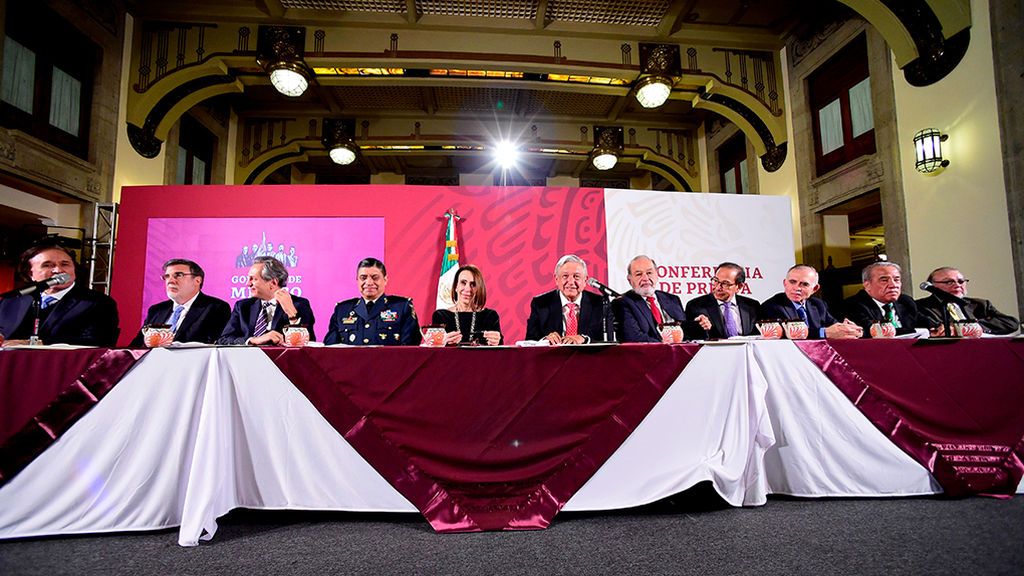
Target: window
{"points": [[195, 153], [840, 94], [46, 87], [732, 166]]}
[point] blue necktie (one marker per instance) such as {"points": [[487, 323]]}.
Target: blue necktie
{"points": [[47, 302], [802, 312], [175, 316]]}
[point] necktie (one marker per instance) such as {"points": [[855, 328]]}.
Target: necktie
{"points": [[178, 309], [802, 312], [571, 322], [888, 312], [730, 322], [261, 321], [654, 310], [47, 302]]}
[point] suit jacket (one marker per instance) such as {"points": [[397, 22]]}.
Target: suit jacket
{"points": [[204, 322], [780, 307], [634, 320], [750, 311], [83, 317], [546, 316], [993, 321], [391, 322], [862, 310], [243, 318]]}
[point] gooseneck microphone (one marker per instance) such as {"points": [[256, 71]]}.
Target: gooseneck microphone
{"points": [[602, 288], [926, 285], [54, 280]]}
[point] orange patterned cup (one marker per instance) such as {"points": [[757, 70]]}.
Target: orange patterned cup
{"points": [[295, 336], [155, 336], [770, 330], [671, 333], [796, 330], [883, 330], [967, 329], [433, 336]]}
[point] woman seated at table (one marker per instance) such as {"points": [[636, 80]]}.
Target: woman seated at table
{"points": [[468, 321]]}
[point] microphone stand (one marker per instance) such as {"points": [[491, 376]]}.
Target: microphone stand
{"points": [[944, 302], [609, 318]]}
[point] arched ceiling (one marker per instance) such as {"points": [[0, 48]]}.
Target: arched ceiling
{"points": [[457, 74]]}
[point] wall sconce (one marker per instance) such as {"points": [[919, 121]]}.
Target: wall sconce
{"points": [[279, 51], [608, 145], [658, 63], [337, 140], [928, 151]]}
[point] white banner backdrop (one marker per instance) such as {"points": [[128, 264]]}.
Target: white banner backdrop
{"points": [[688, 234]]}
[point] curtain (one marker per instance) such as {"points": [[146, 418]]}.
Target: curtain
{"points": [[65, 101], [18, 76], [860, 108], [830, 121]]}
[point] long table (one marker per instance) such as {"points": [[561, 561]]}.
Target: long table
{"points": [[485, 439]]}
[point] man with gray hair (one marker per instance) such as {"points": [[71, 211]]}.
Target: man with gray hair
{"points": [[568, 314], [795, 303], [261, 319], [952, 295], [881, 300]]}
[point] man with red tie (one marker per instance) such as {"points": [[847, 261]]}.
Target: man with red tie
{"points": [[641, 311], [568, 314]]}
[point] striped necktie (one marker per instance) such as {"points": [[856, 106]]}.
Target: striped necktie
{"points": [[261, 321], [178, 309]]}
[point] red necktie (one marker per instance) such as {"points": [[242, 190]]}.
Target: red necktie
{"points": [[654, 310], [571, 322]]}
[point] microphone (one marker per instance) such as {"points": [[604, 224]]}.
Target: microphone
{"points": [[54, 280], [593, 282], [926, 285]]}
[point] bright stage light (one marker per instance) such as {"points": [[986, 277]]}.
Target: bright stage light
{"points": [[506, 154]]}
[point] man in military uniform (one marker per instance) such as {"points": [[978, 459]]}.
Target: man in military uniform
{"points": [[374, 319]]}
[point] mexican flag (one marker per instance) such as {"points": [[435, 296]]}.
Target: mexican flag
{"points": [[449, 264]]}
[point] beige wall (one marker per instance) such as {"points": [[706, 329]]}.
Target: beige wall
{"points": [[131, 169], [959, 217], [783, 182]]}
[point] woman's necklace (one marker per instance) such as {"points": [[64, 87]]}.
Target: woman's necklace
{"points": [[472, 323]]}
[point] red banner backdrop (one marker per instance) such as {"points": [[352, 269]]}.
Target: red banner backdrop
{"points": [[514, 234]]}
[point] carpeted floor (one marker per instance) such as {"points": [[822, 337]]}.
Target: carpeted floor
{"points": [[694, 534]]}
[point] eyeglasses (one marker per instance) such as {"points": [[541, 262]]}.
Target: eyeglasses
{"points": [[726, 284], [176, 276], [950, 282]]}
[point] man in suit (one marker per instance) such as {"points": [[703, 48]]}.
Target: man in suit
{"points": [[191, 315], [640, 312], [568, 314], [881, 300], [375, 318], [795, 303], [65, 313], [723, 313], [261, 319], [954, 299]]}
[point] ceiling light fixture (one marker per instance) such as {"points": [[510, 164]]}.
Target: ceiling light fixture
{"points": [[337, 139], [279, 51], [658, 64], [608, 145]]}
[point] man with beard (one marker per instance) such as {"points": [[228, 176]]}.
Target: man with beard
{"points": [[641, 311]]}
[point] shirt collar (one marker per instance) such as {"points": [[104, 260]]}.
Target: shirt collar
{"points": [[565, 300], [187, 304], [58, 295]]}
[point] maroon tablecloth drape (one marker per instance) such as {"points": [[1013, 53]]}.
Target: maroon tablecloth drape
{"points": [[48, 391], [512, 436], [955, 406]]}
